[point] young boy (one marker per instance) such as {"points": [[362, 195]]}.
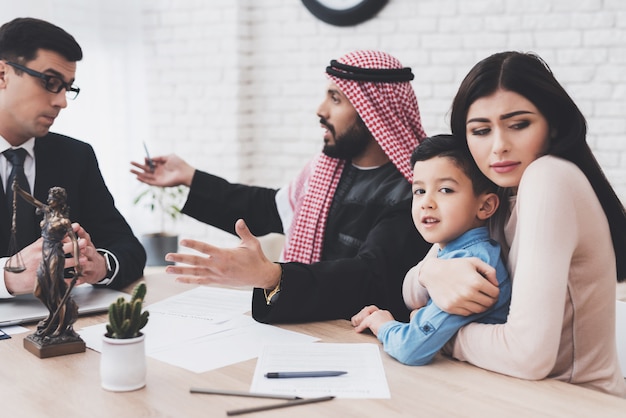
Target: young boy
{"points": [[452, 201]]}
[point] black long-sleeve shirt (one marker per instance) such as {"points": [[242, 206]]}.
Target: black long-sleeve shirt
{"points": [[369, 244]]}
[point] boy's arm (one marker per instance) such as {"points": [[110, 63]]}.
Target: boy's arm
{"points": [[430, 328], [416, 343]]}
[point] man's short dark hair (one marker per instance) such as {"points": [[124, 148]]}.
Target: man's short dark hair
{"points": [[454, 148], [22, 37]]}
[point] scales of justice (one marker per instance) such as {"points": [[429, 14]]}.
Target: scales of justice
{"points": [[55, 334]]}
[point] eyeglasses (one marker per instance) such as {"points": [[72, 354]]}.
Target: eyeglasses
{"points": [[52, 83]]}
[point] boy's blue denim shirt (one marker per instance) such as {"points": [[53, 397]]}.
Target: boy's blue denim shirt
{"points": [[417, 342]]}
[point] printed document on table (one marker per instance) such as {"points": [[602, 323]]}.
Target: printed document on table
{"points": [[198, 345], [14, 329], [187, 316], [365, 377], [240, 339], [162, 331], [203, 329], [213, 304]]}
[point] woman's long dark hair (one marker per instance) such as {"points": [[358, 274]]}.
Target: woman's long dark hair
{"points": [[528, 75]]}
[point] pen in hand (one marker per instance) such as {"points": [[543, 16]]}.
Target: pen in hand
{"points": [[321, 373], [148, 159]]}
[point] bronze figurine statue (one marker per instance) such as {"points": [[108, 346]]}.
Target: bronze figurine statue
{"points": [[55, 334]]}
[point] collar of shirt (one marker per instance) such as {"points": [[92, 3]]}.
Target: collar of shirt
{"points": [[29, 163], [465, 240]]}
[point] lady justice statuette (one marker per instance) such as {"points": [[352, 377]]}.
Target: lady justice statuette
{"points": [[55, 334]]}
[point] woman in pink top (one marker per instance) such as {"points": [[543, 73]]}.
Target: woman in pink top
{"points": [[565, 230]]}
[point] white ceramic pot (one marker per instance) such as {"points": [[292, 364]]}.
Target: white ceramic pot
{"points": [[123, 364]]}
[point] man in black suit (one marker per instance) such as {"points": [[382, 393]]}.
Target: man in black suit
{"points": [[37, 70]]}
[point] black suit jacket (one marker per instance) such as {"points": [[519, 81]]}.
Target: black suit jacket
{"points": [[66, 162], [334, 287]]}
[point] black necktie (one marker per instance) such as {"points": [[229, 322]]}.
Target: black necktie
{"points": [[25, 211]]}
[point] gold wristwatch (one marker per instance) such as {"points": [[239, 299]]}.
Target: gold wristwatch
{"points": [[272, 296]]}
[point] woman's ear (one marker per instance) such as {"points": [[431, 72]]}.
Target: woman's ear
{"points": [[553, 133], [488, 206]]}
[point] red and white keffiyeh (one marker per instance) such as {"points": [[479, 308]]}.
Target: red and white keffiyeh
{"points": [[390, 112]]}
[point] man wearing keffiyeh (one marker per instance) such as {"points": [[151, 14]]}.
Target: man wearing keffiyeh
{"points": [[347, 219]]}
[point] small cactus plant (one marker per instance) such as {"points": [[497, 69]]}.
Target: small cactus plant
{"points": [[126, 318]]}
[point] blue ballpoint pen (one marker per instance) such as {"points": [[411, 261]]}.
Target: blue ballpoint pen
{"points": [[321, 373]]}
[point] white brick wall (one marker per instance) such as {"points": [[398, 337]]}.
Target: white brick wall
{"points": [[233, 85], [264, 126]]}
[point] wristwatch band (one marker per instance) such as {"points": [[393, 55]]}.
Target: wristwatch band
{"points": [[112, 266]]}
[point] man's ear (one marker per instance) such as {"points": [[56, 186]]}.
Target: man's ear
{"points": [[488, 206], [3, 72]]}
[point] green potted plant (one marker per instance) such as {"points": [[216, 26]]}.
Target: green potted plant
{"points": [[165, 202], [123, 356]]}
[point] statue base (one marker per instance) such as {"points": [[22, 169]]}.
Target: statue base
{"points": [[51, 347]]}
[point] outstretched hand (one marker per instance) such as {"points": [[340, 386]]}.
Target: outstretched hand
{"points": [[244, 265], [170, 170]]}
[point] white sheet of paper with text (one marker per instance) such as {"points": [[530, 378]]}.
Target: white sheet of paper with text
{"points": [[365, 377]]}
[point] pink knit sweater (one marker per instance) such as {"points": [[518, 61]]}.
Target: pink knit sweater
{"points": [[561, 322]]}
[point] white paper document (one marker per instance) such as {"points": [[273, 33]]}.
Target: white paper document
{"points": [[14, 329], [162, 332], [213, 304], [240, 339], [203, 329], [365, 377]]}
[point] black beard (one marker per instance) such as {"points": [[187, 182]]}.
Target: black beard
{"points": [[350, 144]]}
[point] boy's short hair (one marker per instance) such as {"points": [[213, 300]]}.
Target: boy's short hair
{"points": [[449, 146], [22, 37]]}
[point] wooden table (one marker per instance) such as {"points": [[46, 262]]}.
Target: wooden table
{"points": [[69, 386]]}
